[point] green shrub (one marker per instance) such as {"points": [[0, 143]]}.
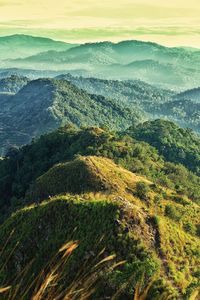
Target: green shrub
{"points": [[189, 227], [142, 190], [172, 212]]}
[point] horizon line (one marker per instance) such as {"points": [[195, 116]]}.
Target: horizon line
{"points": [[117, 41]]}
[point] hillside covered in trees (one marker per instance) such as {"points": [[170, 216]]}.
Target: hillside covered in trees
{"points": [[182, 108], [45, 104], [33, 107], [83, 184], [174, 143]]}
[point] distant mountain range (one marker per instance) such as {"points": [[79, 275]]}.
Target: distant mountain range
{"points": [[30, 73], [173, 68], [21, 46], [93, 168]]}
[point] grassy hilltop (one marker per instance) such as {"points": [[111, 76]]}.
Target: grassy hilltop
{"points": [[78, 187]]}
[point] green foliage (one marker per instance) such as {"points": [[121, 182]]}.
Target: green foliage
{"points": [[182, 108], [174, 143], [142, 190], [46, 104], [172, 213], [46, 168], [190, 227], [12, 84], [93, 223], [134, 92], [22, 166], [185, 112], [82, 175]]}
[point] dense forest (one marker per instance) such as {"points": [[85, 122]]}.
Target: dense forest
{"points": [[45, 104], [33, 107], [174, 143]]}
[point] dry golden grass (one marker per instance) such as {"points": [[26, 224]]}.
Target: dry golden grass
{"points": [[50, 285], [4, 289]]}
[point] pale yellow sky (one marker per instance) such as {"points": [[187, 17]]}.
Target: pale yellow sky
{"points": [[170, 22]]}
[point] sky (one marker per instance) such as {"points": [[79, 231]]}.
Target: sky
{"points": [[169, 22]]}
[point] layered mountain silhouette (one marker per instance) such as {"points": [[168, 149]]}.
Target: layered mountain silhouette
{"points": [[182, 108], [99, 196], [31, 108], [21, 46], [150, 62]]}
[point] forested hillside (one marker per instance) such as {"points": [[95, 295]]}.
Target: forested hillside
{"points": [[193, 95], [174, 143], [156, 102], [12, 84], [64, 186], [31, 108], [67, 142], [132, 92], [45, 104], [184, 112]]}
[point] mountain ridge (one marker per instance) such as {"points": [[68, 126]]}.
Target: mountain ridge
{"points": [[45, 104], [101, 60], [126, 213], [26, 45]]}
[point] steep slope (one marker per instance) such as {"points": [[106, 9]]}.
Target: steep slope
{"points": [[23, 166], [44, 230], [45, 104], [174, 143], [12, 84], [121, 213]]}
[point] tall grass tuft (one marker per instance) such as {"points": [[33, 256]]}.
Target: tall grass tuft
{"points": [[50, 283]]}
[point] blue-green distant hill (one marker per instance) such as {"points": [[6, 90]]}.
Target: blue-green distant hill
{"points": [[174, 68], [21, 46]]}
